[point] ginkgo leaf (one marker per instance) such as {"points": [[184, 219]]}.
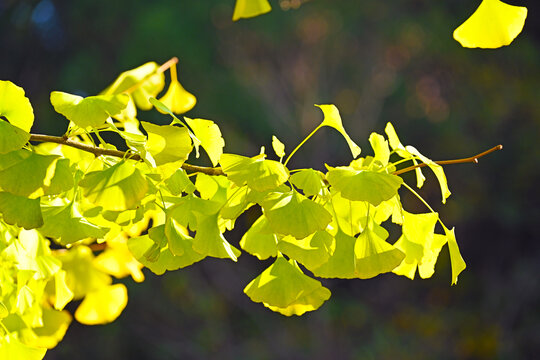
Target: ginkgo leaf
{"points": [[11, 137], [179, 182], [283, 287], [209, 240], [20, 211], [278, 147], [364, 185], [62, 293], [333, 119], [91, 111], [167, 143], [102, 306], [492, 25], [310, 181], [250, 8], [374, 255], [437, 170], [50, 174], [15, 107], [259, 174], [143, 82], [381, 149], [292, 213], [342, 262], [178, 99], [12, 348], [117, 260], [66, 226], [456, 260], [260, 240], [4, 312], [209, 136], [120, 187], [312, 251], [55, 325]]}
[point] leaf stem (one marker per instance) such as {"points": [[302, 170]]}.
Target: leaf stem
{"points": [[473, 159], [300, 145]]}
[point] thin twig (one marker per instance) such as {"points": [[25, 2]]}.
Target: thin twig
{"points": [[159, 70], [116, 153], [472, 159]]}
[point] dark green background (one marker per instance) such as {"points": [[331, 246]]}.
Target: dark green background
{"points": [[378, 61]]}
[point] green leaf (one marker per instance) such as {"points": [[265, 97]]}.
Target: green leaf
{"points": [[364, 185], [342, 262], [374, 255], [120, 187], [260, 240], [167, 143], [66, 226], [333, 119], [310, 181], [91, 111], [291, 213], [3, 311], [103, 305], [144, 82], [62, 293], [257, 173], [209, 240], [11, 137], [11, 348], [312, 251], [210, 137], [417, 242], [50, 174], [179, 182], [55, 325], [456, 260], [20, 211], [15, 107], [284, 288], [351, 216], [278, 147], [250, 8]]}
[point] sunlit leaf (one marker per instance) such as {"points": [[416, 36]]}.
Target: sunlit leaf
{"points": [[103, 305], [351, 216], [179, 182], [380, 147], [260, 240], [11, 137], [333, 119], [291, 213], [342, 263], [374, 255], [178, 99], [312, 251], [284, 288], [55, 325], [437, 170], [396, 146], [278, 147], [12, 348], [456, 260], [250, 8], [15, 107], [259, 174], [310, 181], [20, 211], [167, 143], [62, 293], [120, 187], [91, 111], [117, 260], [209, 240], [210, 137], [143, 82], [364, 185], [492, 25]]}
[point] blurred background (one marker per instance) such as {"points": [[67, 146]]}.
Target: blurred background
{"points": [[378, 61]]}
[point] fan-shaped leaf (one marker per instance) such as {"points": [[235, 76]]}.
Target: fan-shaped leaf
{"points": [[20, 211], [15, 107], [311, 252], [333, 119], [103, 305], [167, 143], [178, 99], [260, 240], [310, 181], [250, 8], [11, 137], [209, 136]]}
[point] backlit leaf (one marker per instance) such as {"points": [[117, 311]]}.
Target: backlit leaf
{"points": [[437, 170], [260, 240], [364, 185], [333, 119], [62, 293], [55, 325], [380, 147], [15, 107], [12, 348], [209, 240], [312, 251], [492, 25], [178, 99], [291, 213], [20, 211], [120, 187], [456, 260], [167, 143], [278, 147], [310, 181], [91, 111], [102, 306], [342, 263], [11, 137], [284, 288], [250, 8], [209, 136]]}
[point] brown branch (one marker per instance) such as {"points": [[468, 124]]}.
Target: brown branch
{"points": [[472, 159], [63, 140]]}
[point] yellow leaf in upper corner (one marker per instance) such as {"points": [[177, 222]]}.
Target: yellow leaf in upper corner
{"points": [[250, 8], [103, 305], [492, 25]]}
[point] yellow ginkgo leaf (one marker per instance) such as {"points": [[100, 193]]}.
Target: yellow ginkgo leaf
{"points": [[178, 99], [102, 306], [492, 25], [250, 8]]}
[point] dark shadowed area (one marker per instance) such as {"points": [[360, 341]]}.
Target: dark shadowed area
{"points": [[378, 61]]}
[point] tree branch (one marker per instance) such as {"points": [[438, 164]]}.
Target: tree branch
{"points": [[63, 140], [473, 159]]}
